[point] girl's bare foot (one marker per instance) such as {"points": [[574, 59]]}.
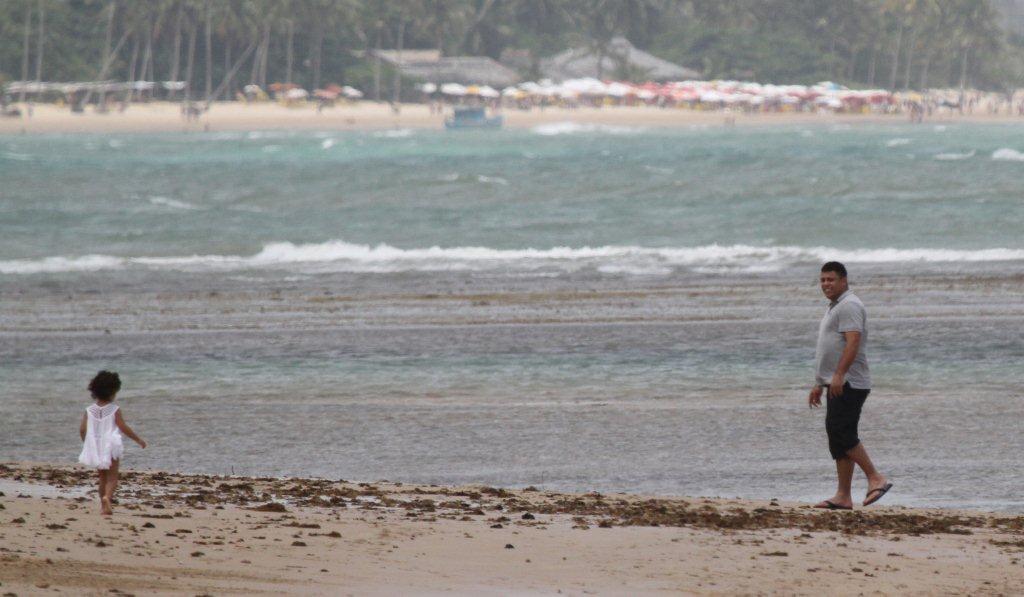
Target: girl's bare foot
{"points": [[106, 509]]}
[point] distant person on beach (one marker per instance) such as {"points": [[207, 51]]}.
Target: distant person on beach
{"points": [[842, 373], [101, 428]]}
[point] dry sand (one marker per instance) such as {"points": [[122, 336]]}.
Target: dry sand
{"points": [[233, 116], [194, 534]]}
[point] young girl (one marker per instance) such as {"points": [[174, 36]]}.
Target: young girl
{"points": [[101, 429]]}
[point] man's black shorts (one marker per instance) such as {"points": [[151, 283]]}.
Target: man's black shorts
{"points": [[842, 414]]}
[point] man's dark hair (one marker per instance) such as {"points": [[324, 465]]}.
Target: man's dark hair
{"points": [[834, 266], [105, 385]]}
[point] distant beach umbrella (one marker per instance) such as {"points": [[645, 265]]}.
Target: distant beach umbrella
{"points": [[351, 92], [453, 89], [326, 94], [488, 92], [616, 89]]}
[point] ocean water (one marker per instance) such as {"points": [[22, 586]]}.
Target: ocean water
{"points": [[572, 307]]}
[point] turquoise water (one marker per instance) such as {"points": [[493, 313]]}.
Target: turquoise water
{"points": [[231, 194], [577, 307]]}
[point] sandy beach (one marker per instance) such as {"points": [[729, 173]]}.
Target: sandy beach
{"points": [[232, 116], [195, 534]]}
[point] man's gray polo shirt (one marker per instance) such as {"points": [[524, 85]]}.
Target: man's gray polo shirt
{"points": [[846, 314]]}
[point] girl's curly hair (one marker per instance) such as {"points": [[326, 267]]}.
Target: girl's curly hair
{"points": [[105, 385]]}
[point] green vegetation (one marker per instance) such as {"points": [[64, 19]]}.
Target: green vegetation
{"points": [[895, 44]]}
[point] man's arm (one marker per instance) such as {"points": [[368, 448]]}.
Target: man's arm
{"points": [[849, 354], [814, 398]]}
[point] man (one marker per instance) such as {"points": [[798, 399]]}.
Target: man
{"points": [[842, 371]]}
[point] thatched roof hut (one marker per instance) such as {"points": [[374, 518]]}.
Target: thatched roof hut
{"points": [[618, 58]]}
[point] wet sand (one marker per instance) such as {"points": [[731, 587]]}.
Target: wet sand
{"points": [[232, 116], [198, 534]]}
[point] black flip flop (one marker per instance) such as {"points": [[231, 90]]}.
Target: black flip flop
{"points": [[881, 491], [830, 505]]}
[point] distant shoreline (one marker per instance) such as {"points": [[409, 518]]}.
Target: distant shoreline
{"points": [[166, 117]]}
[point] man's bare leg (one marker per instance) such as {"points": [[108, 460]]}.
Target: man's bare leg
{"points": [[844, 474], [860, 456]]}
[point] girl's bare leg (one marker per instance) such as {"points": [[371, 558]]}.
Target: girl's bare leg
{"points": [[108, 497], [103, 490]]}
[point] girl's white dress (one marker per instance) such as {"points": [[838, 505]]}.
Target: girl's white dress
{"points": [[102, 437]]}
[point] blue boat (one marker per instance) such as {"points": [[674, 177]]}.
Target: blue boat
{"points": [[473, 118]]}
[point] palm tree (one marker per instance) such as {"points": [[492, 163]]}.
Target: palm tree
{"points": [[208, 45], [976, 30], [24, 51], [42, 38], [179, 22], [191, 29], [319, 17]]}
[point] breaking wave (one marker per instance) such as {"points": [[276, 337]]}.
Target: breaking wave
{"points": [[172, 203], [341, 256], [568, 128], [952, 157], [1006, 154]]}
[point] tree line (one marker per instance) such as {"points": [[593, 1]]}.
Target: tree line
{"points": [[216, 46]]}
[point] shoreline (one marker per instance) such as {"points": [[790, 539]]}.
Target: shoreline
{"points": [[177, 533], [164, 117]]}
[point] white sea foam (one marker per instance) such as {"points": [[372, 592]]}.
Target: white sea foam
{"points": [[225, 136], [341, 256], [328, 143], [897, 142], [568, 128], [173, 203], [951, 157], [1006, 154], [452, 177], [635, 270], [85, 263], [17, 157], [492, 180], [269, 134], [394, 134]]}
